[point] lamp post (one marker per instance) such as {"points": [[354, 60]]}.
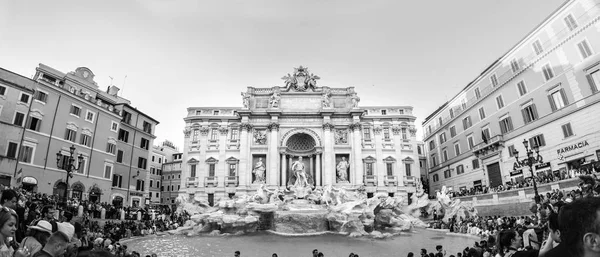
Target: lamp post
{"points": [[529, 162], [68, 166]]}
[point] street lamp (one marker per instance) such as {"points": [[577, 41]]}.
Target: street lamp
{"points": [[529, 161], [68, 166]]}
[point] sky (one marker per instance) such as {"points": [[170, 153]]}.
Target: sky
{"points": [[182, 53]]}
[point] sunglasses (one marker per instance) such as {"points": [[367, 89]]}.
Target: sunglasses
{"points": [[9, 210]]}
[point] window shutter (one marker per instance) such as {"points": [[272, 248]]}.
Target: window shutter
{"points": [[592, 83], [524, 113], [502, 129], [564, 96], [534, 112], [564, 129], [509, 125], [552, 104]]}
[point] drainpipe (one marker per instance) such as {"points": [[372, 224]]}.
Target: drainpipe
{"points": [[23, 135]]}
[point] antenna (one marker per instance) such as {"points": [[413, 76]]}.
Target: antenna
{"points": [[123, 86], [111, 80]]}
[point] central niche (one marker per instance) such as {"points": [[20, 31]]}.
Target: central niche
{"points": [[301, 142]]}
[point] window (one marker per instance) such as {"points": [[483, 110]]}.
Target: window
{"points": [[114, 126], [11, 151], [404, 135], [211, 170], [407, 168], [529, 113], [514, 65], [75, 110], [214, 134], [558, 99], [499, 102], [24, 98], [34, 123], [433, 160], [383, 112], [475, 164], [139, 186], [467, 122], [447, 173], [419, 149], [41, 96], [477, 93], [453, 131], [457, 149], [369, 168], [443, 138], [436, 178], [159, 160], [142, 162], [494, 80], [567, 131], [108, 170], [386, 133], [548, 72], [120, 156], [594, 80], [151, 183], [85, 140], [451, 112], [511, 150], [537, 47], [117, 180], [70, 135], [126, 117], [570, 21], [506, 125], [445, 156], [193, 170], [123, 135], [522, 88], [144, 143], [26, 154], [152, 159], [431, 144], [2, 90], [234, 134], [463, 104], [367, 134], [19, 118], [584, 49], [460, 169], [389, 168], [485, 131], [471, 142], [537, 140], [89, 116], [481, 113], [439, 121], [110, 148], [147, 127], [81, 166], [195, 135]]}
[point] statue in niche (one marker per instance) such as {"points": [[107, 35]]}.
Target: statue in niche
{"points": [[260, 137], [342, 170], [341, 136], [355, 100], [298, 169], [274, 100], [246, 99], [326, 98], [259, 172]]}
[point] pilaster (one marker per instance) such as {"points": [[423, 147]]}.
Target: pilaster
{"points": [[379, 167], [328, 157], [244, 170], [356, 164], [273, 153], [221, 171], [400, 172]]}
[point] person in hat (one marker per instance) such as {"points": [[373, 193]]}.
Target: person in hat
{"points": [[37, 237], [58, 241]]}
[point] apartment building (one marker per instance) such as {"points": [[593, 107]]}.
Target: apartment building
{"points": [[161, 154], [171, 180], [543, 91]]}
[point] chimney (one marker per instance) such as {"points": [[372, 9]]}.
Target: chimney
{"points": [[113, 90]]}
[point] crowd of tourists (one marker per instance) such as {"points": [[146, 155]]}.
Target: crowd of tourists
{"points": [[33, 224]]}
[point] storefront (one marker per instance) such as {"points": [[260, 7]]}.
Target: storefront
{"points": [[543, 169], [578, 157]]}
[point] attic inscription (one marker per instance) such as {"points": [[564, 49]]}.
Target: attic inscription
{"points": [[301, 103]]}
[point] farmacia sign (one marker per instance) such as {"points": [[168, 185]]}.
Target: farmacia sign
{"points": [[572, 147]]}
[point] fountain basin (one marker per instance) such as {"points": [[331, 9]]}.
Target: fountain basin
{"points": [[300, 221]]}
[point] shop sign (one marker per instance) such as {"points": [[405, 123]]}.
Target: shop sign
{"points": [[516, 173], [542, 166], [136, 194], [562, 151]]}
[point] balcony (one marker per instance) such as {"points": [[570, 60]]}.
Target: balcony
{"points": [[232, 181], [370, 180], [493, 146], [410, 180], [191, 181], [390, 180], [211, 181]]}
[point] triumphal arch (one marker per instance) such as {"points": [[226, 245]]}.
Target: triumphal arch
{"points": [[298, 133]]}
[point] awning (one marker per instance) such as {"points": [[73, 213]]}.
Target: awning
{"points": [[30, 180]]}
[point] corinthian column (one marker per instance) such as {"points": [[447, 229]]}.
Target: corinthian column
{"points": [[328, 155], [245, 174], [357, 176], [273, 154]]}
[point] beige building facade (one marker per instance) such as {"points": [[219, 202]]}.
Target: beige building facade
{"points": [[235, 150], [543, 91]]}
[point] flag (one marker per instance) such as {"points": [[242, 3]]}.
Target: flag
{"points": [[19, 177], [484, 137]]}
